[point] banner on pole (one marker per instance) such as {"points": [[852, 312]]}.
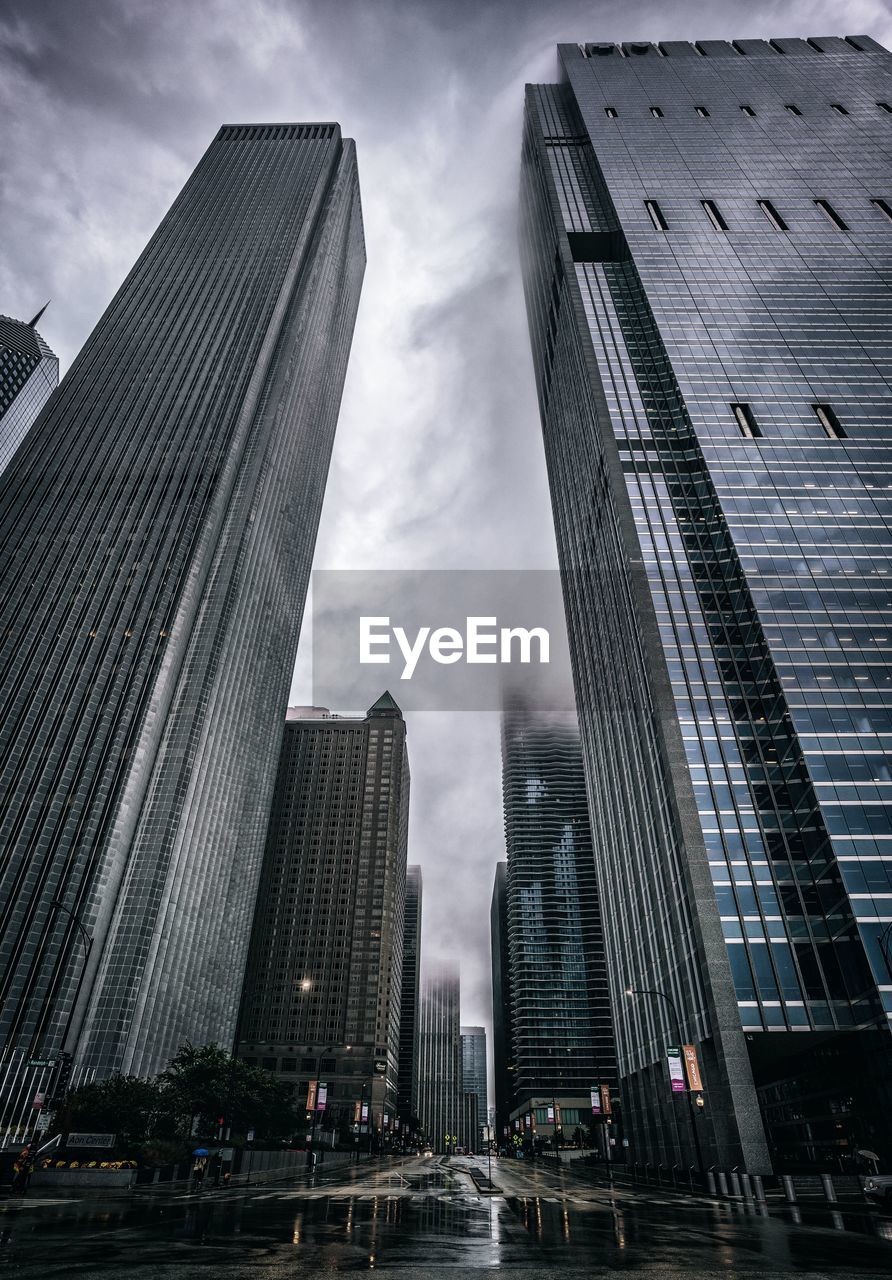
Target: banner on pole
{"points": [[692, 1067], [676, 1070]]}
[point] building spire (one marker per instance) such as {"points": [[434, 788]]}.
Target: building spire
{"points": [[33, 323]]}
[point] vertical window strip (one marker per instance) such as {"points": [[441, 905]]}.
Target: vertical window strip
{"points": [[839, 108], [657, 111], [611, 113], [828, 210], [714, 213], [883, 206], [746, 421], [833, 428], [747, 109], [772, 215], [792, 108], [702, 112], [884, 106], [655, 214]]}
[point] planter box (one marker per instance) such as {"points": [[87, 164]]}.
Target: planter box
{"points": [[83, 1178]]}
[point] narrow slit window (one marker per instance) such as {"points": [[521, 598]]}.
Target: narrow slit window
{"points": [[714, 214], [746, 421], [772, 215], [655, 214], [839, 108], [828, 210], [884, 106], [657, 111], [747, 109], [611, 113], [701, 112], [829, 421], [792, 108], [883, 206]]}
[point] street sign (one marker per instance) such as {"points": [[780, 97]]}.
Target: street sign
{"points": [[676, 1070], [90, 1140], [381, 1067], [43, 1062], [692, 1067]]}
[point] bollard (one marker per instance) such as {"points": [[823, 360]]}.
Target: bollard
{"points": [[759, 1189], [747, 1187], [723, 1183], [735, 1183], [829, 1190], [710, 1181], [789, 1189]]}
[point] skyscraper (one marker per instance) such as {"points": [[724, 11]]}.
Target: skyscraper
{"points": [[439, 1058], [559, 1012], [410, 990], [29, 371], [157, 536], [473, 1074], [322, 989], [502, 1058], [706, 236]]}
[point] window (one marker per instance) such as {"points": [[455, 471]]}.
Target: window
{"points": [[611, 113], [884, 106], [883, 207], [702, 112], [839, 108], [829, 421], [656, 111], [715, 215], [792, 108], [827, 208], [772, 215], [656, 215], [746, 421], [747, 110]]}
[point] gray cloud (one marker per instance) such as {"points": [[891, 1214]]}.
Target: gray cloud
{"points": [[107, 105]]}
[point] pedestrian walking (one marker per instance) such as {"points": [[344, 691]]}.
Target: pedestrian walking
{"points": [[199, 1169], [22, 1168]]}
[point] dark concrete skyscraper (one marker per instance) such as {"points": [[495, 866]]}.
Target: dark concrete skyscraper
{"points": [[155, 543], [503, 1066], [322, 990], [29, 372], [439, 1058], [409, 997], [707, 239], [559, 1011]]}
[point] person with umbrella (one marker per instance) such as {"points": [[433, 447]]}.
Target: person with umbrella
{"points": [[199, 1167]]}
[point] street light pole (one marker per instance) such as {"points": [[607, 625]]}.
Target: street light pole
{"points": [[661, 995], [87, 940]]}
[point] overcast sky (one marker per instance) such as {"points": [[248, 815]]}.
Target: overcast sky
{"points": [[107, 105]]}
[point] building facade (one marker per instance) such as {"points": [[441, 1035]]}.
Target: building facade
{"points": [[29, 373], [474, 1076], [561, 1029], [410, 993], [503, 1066], [321, 1001], [439, 1088], [150, 618], [706, 238]]}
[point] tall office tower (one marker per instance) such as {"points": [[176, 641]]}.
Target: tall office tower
{"points": [[439, 1087], [561, 1030], [322, 989], [706, 235], [473, 1074], [155, 545], [469, 1135], [502, 1059], [410, 988], [29, 371]]}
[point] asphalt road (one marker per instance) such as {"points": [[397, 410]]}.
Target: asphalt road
{"points": [[419, 1219]]}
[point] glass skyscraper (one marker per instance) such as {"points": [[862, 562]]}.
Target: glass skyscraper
{"points": [[410, 993], [561, 1035], [156, 536], [473, 1075], [707, 241], [29, 372], [439, 1087]]}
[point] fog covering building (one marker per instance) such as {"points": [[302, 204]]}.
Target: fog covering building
{"points": [[439, 1089], [559, 1011], [322, 989], [29, 372], [410, 994], [706, 235], [473, 1075], [156, 538]]}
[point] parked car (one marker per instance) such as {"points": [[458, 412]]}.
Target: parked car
{"points": [[878, 1186]]}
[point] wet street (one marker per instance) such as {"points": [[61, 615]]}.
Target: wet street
{"points": [[420, 1218]]}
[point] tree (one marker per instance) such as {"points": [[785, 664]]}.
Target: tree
{"points": [[124, 1105], [208, 1084]]}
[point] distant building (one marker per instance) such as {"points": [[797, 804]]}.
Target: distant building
{"points": [[407, 1106], [29, 372], [473, 1074], [439, 1058], [503, 1067], [561, 1030], [469, 1122], [321, 999]]}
